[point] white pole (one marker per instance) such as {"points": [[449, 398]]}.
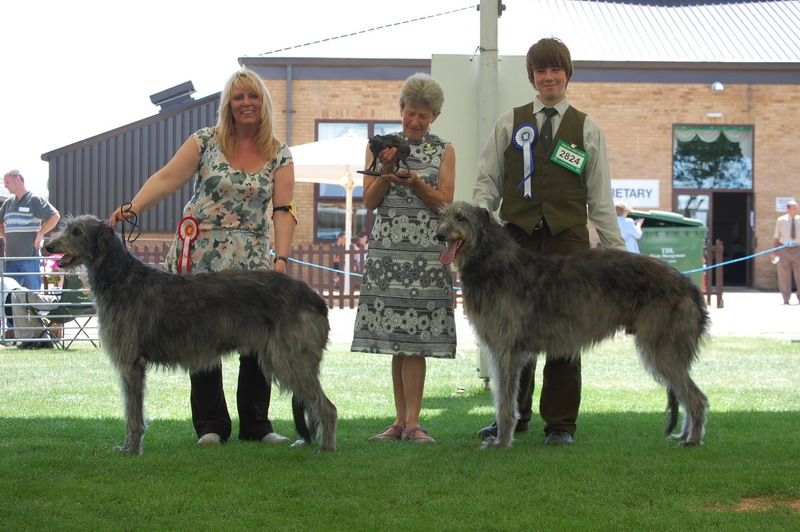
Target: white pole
{"points": [[487, 90], [348, 228], [487, 108]]}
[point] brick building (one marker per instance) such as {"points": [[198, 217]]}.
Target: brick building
{"points": [[734, 84]]}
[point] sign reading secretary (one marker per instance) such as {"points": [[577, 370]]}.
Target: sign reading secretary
{"points": [[636, 192]]}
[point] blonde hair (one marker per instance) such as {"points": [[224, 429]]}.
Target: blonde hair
{"points": [[265, 140]]}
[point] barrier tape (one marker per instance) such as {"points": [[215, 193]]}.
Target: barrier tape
{"points": [[739, 259], [705, 268]]}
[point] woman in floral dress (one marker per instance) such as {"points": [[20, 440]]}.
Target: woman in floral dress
{"points": [[406, 304], [238, 166]]}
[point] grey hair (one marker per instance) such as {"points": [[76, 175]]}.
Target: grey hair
{"points": [[422, 89], [15, 173]]}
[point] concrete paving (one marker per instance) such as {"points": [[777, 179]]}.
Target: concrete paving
{"points": [[745, 313]]}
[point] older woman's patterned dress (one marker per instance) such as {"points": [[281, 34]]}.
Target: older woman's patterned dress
{"points": [[231, 211], [406, 302]]}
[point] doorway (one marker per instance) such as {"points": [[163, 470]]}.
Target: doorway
{"points": [[728, 216]]}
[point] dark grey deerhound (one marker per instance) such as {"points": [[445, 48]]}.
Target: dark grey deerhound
{"points": [[522, 303], [149, 317]]}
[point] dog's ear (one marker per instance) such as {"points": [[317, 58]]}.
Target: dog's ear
{"points": [[103, 238]]}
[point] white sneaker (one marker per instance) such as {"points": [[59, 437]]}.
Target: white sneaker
{"points": [[274, 437], [209, 439]]}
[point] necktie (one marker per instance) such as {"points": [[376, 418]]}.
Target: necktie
{"points": [[793, 233], [547, 127]]}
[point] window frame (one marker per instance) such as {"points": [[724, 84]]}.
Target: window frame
{"points": [[321, 201]]}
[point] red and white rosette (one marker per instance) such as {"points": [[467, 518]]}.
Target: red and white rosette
{"points": [[187, 232]]}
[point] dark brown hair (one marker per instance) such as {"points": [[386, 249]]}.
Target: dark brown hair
{"points": [[549, 52]]}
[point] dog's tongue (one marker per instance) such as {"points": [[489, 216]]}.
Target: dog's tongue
{"points": [[449, 254], [64, 260]]}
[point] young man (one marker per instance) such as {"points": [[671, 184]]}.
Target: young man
{"points": [[543, 177], [24, 220]]}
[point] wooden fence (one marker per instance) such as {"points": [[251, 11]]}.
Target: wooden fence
{"points": [[312, 263], [713, 279]]}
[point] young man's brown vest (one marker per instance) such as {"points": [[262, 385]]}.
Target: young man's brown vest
{"points": [[558, 194]]}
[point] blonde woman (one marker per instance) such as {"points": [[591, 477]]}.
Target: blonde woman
{"points": [[237, 168]]}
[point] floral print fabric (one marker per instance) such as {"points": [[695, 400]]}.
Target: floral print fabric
{"points": [[406, 302], [230, 207]]}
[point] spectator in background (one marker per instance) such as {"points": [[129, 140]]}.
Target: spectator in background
{"points": [[631, 229], [787, 229], [360, 246], [338, 257], [25, 218], [6, 311], [341, 239]]}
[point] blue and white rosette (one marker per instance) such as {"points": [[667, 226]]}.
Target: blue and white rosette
{"points": [[524, 137]]}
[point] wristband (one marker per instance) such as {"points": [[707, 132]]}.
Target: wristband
{"points": [[281, 257]]}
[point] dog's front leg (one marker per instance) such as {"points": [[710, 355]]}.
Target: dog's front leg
{"points": [[133, 382], [506, 371]]}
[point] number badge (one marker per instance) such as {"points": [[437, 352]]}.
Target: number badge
{"points": [[569, 157]]}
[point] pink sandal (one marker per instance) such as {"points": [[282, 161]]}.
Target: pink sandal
{"points": [[418, 435], [392, 432]]}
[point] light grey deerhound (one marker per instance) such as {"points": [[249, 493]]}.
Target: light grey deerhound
{"points": [[522, 303], [149, 317]]}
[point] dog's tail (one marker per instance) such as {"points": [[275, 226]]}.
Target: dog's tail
{"points": [[299, 412], [672, 411]]}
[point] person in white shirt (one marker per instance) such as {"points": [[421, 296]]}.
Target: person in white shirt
{"points": [[787, 229], [545, 178], [631, 229]]}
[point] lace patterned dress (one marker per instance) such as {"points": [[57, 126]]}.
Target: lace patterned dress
{"points": [[231, 211], [406, 302]]}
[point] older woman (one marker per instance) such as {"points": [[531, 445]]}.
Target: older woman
{"points": [[237, 167], [406, 304]]}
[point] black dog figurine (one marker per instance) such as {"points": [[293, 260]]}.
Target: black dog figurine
{"points": [[378, 143]]}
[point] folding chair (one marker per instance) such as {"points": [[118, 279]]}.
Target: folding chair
{"points": [[74, 306]]}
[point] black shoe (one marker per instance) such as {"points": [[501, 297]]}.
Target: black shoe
{"points": [[558, 437], [491, 430]]}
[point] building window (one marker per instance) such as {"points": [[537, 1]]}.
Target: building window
{"points": [[330, 199], [712, 157]]}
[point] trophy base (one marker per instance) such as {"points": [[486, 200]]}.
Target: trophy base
{"points": [[378, 174]]}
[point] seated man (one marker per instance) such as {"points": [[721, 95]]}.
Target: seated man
{"points": [[9, 285], [29, 329]]}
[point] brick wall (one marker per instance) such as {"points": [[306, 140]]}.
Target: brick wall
{"points": [[314, 100], [637, 119]]}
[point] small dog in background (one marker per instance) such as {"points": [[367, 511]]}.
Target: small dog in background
{"points": [[523, 303], [150, 317]]}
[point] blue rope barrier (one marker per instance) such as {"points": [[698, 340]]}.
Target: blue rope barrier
{"points": [[705, 268]]}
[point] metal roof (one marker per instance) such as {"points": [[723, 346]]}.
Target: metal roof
{"points": [[721, 31], [594, 30]]}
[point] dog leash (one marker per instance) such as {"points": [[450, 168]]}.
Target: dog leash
{"points": [[134, 221]]}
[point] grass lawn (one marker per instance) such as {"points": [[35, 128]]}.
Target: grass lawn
{"points": [[61, 416]]}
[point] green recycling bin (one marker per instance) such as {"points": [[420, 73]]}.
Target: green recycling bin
{"points": [[675, 239]]}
